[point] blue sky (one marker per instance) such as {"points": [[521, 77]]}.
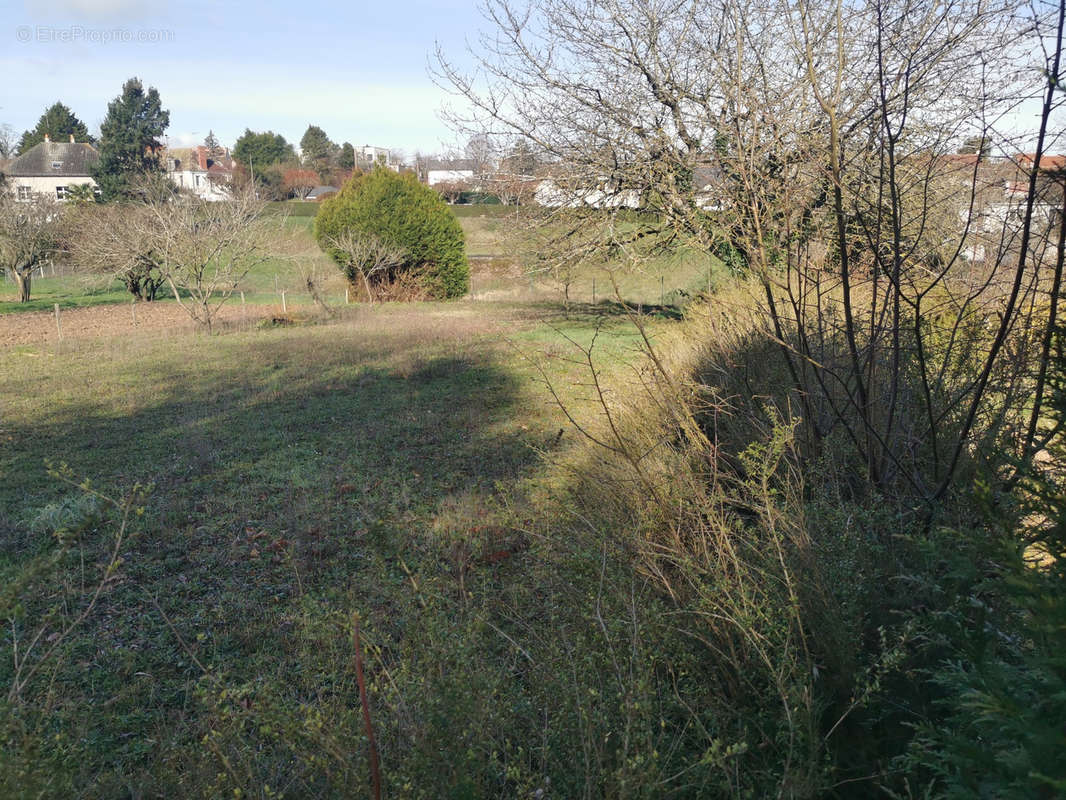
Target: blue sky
{"points": [[359, 71]]}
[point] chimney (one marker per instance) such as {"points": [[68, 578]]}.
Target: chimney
{"points": [[72, 138], [47, 138], [201, 156]]}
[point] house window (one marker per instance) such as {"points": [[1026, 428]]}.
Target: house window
{"points": [[24, 193], [61, 193], [57, 165]]}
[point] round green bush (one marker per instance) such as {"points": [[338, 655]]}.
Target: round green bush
{"points": [[401, 211]]}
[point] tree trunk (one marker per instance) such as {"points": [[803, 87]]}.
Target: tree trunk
{"points": [[313, 291], [22, 282]]}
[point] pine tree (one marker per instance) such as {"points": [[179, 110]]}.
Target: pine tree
{"points": [[214, 149], [261, 150], [317, 150], [58, 122], [347, 156], [129, 140]]}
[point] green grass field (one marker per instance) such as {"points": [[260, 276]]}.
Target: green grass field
{"points": [[389, 462], [291, 469], [497, 273]]}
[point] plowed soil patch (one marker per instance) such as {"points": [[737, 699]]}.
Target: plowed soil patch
{"points": [[39, 327]]}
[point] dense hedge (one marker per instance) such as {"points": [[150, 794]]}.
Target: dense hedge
{"points": [[404, 212]]}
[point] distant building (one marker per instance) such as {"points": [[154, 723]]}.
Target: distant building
{"points": [[204, 175], [374, 155], [706, 184], [51, 169], [453, 170], [367, 157], [553, 193]]}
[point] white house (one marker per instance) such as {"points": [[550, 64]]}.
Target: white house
{"points": [[51, 169], [553, 194], [374, 155], [367, 157], [198, 171], [455, 170]]}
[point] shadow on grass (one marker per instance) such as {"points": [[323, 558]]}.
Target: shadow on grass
{"points": [[295, 464], [557, 311]]}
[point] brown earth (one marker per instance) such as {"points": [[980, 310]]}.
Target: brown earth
{"points": [[39, 327]]}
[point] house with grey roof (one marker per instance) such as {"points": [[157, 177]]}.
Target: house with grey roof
{"points": [[50, 169]]}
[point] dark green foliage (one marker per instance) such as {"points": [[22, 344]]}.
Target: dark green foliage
{"points": [[59, 122], [346, 160], [214, 149], [130, 141], [270, 182], [261, 150], [401, 211], [316, 150], [730, 256], [998, 729], [478, 198]]}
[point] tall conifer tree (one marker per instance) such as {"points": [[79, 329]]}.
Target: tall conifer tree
{"points": [[130, 146]]}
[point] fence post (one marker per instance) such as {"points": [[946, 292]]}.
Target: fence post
{"points": [[284, 309]]}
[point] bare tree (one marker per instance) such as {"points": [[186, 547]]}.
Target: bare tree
{"points": [[831, 130], [451, 191], [103, 245], [7, 140], [367, 257], [299, 182], [312, 264], [481, 149], [513, 190], [204, 249], [30, 233]]}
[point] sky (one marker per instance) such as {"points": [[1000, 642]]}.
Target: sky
{"points": [[358, 70]]}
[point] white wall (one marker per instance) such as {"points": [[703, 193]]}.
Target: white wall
{"points": [[198, 182], [435, 176], [550, 194], [46, 184]]}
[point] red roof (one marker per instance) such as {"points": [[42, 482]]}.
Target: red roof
{"points": [[1047, 162]]}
